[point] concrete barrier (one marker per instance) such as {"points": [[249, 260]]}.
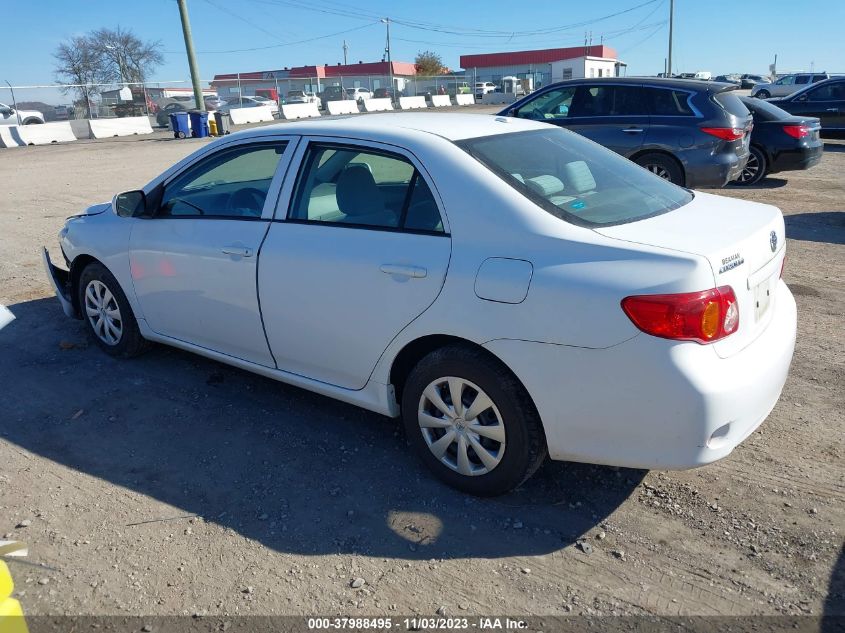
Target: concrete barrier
{"points": [[126, 126], [464, 99], [300, 111], [10, 136], [36, 134], [440, 101], [349, 106], [412, 103], [257, 114], [498, 98], [378, 105]]}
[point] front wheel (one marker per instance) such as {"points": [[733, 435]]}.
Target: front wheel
{"points": [[663, 166], [763, 94], [754, 170], [107, 313], [471, 421]]}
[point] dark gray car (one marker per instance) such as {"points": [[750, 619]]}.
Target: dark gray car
{"points": [[694, 133]]}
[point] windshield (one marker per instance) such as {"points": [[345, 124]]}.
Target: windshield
{"points": [[575, 179]]}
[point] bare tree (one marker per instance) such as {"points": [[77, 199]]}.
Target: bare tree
{"points": [[429, 63], [126, 55], [79, 67]]}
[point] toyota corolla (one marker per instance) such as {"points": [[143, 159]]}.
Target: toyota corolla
{"points": [[509, 289]]}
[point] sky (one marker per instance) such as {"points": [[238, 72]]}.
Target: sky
{"points": [[721, 36]]}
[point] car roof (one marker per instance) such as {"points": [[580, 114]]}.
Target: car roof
{"points": [[393, 126], [668, 82]]}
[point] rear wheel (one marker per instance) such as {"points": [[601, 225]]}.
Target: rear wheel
{"points": [[107, 313], [663, 166], [755, 169], [472, 422]]}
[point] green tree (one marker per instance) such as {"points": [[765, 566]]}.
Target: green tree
{"points": [[429, 63]]}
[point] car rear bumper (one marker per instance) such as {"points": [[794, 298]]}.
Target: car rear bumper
{"points": [[797, 159], [705, 169], [650, 402]]}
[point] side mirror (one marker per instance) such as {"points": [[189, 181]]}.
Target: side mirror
{"points": [[130, 204]]}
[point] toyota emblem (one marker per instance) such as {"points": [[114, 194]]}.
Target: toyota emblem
{"points": [[773, 241]]}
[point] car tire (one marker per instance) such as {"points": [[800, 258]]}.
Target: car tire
{"points": [[513, 439], [107, 314], [33, 122], [755, 169], [763, 94], [663, 166]]}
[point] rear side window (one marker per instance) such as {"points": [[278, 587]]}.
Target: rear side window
{"points": [[802, 79], [818, 78], [732, 103], [608, 100], [575, 179], [668, 102]]}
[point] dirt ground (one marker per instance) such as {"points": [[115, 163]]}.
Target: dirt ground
{"points": [[171, 484]]}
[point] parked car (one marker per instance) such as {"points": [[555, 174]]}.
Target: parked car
{"points": [[483, 87], [10, 116], [645, 119], [824, 100], [249, 102], [213, 102], [749, 81], [786, 85], [331, 93], [301, 96], [358, 94], [604, 316], [729, 79], [64, 112], [779, 142], [384, 93], [166, 107], [264, 101]]}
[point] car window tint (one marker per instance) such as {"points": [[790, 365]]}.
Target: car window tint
{"points": [[803, 79], [669, 102], [575, 179], [818, 78], [553, 104], [364, 188], [608, 100], [786, 81], [230, 183], [422, 213], [827, 92], [732, 103]]}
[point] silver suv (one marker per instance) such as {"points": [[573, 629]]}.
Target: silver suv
{"points": [[786, 85]]}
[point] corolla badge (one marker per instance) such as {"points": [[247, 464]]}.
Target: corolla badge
{"points": [[773, 241]]}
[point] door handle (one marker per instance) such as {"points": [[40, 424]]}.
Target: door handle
{"points": [[832, 110], [238, 251], [633, 130], [417, 272]]}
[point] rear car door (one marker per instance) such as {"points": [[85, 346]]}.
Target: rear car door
{"points": [[360, 251], [672, 117], [193, 261], [613, 115]]}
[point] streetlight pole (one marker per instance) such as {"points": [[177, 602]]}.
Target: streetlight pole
{"points": [[192, 60], [671, 28], [386, 22]]}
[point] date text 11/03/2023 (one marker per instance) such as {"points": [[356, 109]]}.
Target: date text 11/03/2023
{"points": [[417, 623]]}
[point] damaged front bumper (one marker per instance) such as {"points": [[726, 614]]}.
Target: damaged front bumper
{"points": [[60, 279]]}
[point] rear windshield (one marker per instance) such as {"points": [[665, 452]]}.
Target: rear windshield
{"points": [[575, 179], [764, 110], [732, 103]]}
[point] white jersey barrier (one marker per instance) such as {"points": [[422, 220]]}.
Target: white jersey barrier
{"points": [[464, 99], [412, 103], [10, 136], [257, 114], [300, 110], [349, 106], [127, 126], [378, 105], [440, 101]]}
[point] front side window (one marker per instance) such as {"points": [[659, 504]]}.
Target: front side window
{"points": [[575, 179], [802, 79], [786, 81], [230, 183], [350, 186], [828, 92], [552, 104], [606, 100]]}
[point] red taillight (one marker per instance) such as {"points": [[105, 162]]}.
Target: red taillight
{"points": [[725, 133], [797, 131], [703, 317]]}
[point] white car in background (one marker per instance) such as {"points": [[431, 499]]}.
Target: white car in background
{"points": [[10, 116], [484, 87], [358, 94], [301, 96], [509, 288], [252, 101]]}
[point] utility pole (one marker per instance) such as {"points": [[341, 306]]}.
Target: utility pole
{"points": [[671, 28], [192, 60], [345, 51], [386, 22], [14, 102]]}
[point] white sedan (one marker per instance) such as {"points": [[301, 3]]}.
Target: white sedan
{"points": [[509, 288]]}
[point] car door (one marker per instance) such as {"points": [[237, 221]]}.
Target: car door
{"points": [[672, 116], [360, 251], [613, 115], [826, 101], [193, 261]]}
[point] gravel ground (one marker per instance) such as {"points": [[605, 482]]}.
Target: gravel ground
{"points": [[171, 484]]}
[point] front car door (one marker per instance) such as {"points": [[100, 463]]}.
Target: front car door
{"points": [[193, 261], [359, 252], [612, 115], [827, 102]]}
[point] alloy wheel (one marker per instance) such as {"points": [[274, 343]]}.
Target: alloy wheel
{"points": [[659, 170], [103, 312], [461, 426], [751, 169]]}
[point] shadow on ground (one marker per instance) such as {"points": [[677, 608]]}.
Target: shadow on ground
{"points": [[768, 182], [834, 605], [295, 471], [820, 226]]}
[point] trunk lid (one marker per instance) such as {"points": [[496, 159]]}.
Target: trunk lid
{"points": [[744, 242]]}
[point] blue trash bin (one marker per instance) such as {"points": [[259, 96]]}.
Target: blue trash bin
{"points": [[199, 124], [179, 124]]}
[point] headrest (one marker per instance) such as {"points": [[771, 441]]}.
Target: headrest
{"points": [[545, 185], [579, 176], [357, 193]]}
